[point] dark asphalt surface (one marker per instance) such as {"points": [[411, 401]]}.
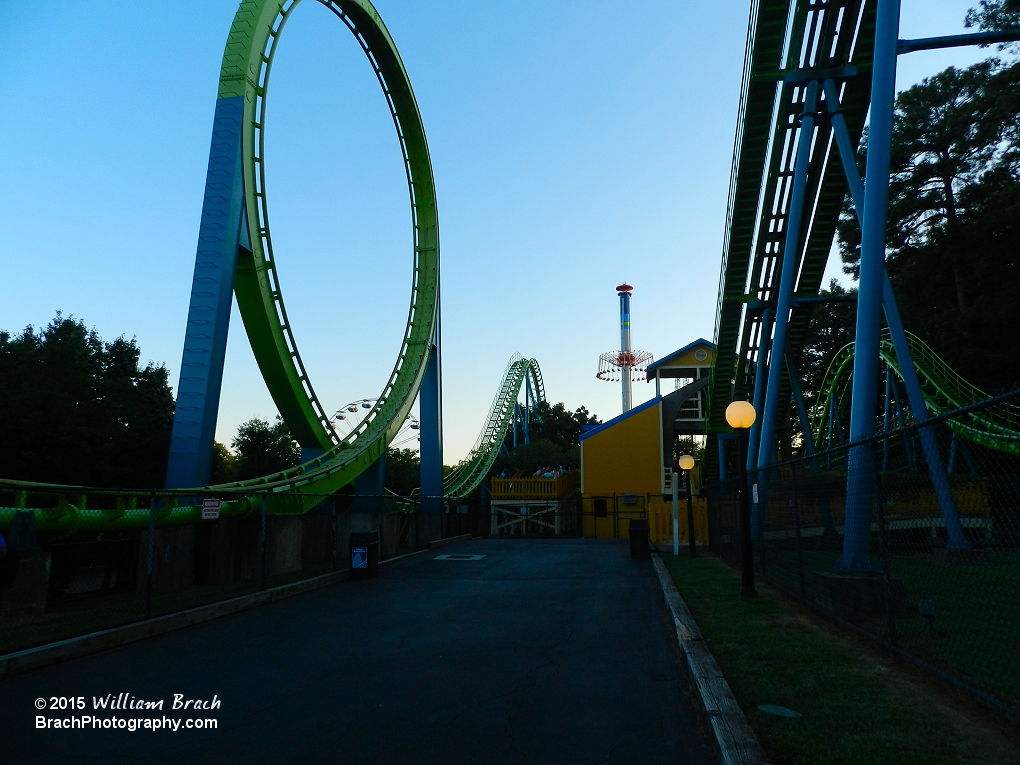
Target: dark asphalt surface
{"points": [[544, 651]]}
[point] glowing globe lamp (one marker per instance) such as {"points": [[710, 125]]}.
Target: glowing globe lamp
{"points": [[740, 415]]}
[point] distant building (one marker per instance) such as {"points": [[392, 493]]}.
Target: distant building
{"points": [[627, 462]]}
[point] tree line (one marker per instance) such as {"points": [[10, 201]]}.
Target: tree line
{"points": [[77, 410], [953, 231]]}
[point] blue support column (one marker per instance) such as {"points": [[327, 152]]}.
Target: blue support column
{"points": [[860, 471], [430, 401], [369, 487], [527, 408], [918, 408], [221, 231], [802, 412], [915, 395], [761, 371], [760, 376], [886, 417], [787, 280], [517, 420]]}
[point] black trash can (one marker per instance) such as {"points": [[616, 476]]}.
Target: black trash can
{"points": [[364, 554], [639, 531]]}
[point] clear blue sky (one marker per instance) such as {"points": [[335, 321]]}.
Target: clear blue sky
{"points": [[575, 145]]}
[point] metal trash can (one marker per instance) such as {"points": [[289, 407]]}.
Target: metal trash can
{"points": [[364, 554], [639, 532]]}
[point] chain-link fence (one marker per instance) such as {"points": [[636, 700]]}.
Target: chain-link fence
{"points": [[78, 563], [935, 571]]}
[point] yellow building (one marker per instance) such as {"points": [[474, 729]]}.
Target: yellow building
{"points": [[627, 462]]}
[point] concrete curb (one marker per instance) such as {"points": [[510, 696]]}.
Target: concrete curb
{"points": [[16, 663], [732, 739], [448, 541], [52, 653]]}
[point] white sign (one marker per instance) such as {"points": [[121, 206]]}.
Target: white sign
{"points": [[210, 509], [359, 557], [754, 492]]}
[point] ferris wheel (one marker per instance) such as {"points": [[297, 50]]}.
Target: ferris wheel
{"points": [[349, 416]]}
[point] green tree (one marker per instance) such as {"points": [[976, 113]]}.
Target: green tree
{"points": [[995, 15], [264, 449], [831, 327], [403, 471], [953, 240], [77, 410], [556, 424], [224, 465], [554, 433]]}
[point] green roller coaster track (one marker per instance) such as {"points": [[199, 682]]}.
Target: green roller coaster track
{"points": [[467, 477], [244, 76], [996, 427], [247, 62], [70, 510]]}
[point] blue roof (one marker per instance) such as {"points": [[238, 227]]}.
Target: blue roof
{"points": [[674, 354], [619, 418]]}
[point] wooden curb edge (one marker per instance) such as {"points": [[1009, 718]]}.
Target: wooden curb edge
{"points": [[732, 739]]}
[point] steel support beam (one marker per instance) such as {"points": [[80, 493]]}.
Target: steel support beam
{"points": [[915, 394], [754, 435], [787, 280], [956, 41], [205, 343], [861, 469], [430, 403], [369, 487]]}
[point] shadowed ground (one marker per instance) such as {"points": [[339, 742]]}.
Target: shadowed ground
{"points": [[543, 651]]}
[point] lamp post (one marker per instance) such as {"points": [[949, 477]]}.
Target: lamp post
{"points": [[676, 522], [740, 416], [686, 463]]}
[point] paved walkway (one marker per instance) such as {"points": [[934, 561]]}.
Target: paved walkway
{"points": [[543, 651]]}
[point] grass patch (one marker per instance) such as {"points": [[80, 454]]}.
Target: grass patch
{"points": [[977, 613], [855, 708]]}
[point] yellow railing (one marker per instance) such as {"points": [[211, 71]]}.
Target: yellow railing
{"points": [[534, 488]]}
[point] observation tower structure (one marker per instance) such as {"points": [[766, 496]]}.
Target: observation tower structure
{"points": [[625, 365]]}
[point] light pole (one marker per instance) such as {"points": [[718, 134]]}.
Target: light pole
{"points": [[686, 463], [740, 416], [676, 522]]}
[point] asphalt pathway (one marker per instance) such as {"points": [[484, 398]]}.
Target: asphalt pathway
{"points": [[542, 651]]}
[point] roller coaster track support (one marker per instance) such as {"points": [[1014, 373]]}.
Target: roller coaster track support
{"points": [[793, 47], [235, 256], [504, 414], [875, 292], [811, 71]]}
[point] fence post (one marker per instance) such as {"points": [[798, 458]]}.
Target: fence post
{"points": [[262, 542], [417, 526], [152, 550], [333, 526], [676, 519], [796, 522], [758, 528], [883, 546], [690, 515]]}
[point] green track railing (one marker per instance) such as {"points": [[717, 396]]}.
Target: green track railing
{"points": [[466, 478], [945, 390]]}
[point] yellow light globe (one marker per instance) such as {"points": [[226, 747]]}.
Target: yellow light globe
{"points": [[686, 462], [740, 414]]}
